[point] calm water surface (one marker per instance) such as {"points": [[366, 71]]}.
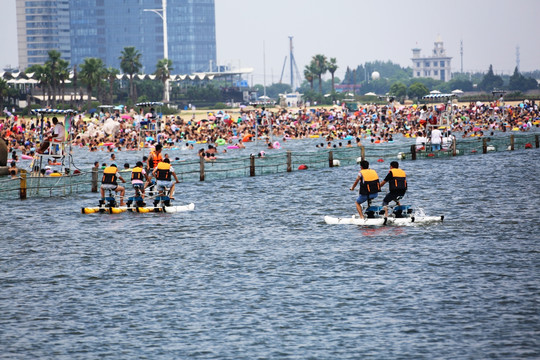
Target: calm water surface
{"points": [[255, 273]]}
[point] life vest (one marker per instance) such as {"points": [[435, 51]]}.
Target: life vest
{"points": [[163, 171], [370, 182], [399, 181], [136, 173], [109, 175], [154, 159]]}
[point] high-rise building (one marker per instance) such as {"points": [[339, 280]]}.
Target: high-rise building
{"points": [[437, 66], [103, 28], [42, 26]]}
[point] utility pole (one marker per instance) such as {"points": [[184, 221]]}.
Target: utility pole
{"points": [[292, 61], [461, 51], [162, 13], [517, 57]]}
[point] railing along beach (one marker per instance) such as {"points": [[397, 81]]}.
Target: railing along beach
{"points": [[24, 186]]}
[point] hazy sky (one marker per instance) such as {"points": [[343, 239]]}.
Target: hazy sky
{"points": [[356, 31]]}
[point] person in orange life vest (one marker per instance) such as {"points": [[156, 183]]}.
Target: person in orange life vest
{"points": [[155, 158], [108, 182], [369, 185], [137, 175], [163, 173], [397, 181]]}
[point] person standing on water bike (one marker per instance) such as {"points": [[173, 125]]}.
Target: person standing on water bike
{"points": [[153, 160], [397, 181], [369, 185]]}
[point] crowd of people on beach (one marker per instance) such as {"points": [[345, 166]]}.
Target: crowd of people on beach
{"points": [[371, 123]]}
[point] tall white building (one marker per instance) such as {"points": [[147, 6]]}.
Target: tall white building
{"points": [[437, 66]]}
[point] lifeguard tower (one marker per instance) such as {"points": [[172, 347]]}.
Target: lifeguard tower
{"points": [[59, 152], [150, 124]]}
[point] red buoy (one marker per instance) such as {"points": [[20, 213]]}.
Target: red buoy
{"points": [[302, 167]]}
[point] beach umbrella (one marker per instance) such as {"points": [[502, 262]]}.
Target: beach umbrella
{"points": [[127, 117]]}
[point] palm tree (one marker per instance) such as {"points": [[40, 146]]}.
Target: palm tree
{"points": [[4, 91], [111, 77], [42, 75], [332, 67], [52, 64], [130, 63], [75, 84], [308, 74], [63, 75], [91, 74], [163, 72], [319, 68]]}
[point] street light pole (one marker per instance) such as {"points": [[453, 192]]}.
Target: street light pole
{"points": [[162, 13]]}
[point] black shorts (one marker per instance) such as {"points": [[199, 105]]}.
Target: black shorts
{"points": [[392, 195]]}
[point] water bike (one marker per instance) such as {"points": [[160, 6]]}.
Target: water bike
{"points": [[161, 204], [397, 215]]}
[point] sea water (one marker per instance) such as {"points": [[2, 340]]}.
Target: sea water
{"points": [[254, 272]]}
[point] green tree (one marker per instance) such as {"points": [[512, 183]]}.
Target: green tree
{"points": [[163, 72], [319, 67], [274, 90], [461, 84], [417, 90], [63, 76], [110, 74], [4, 91], [398, 89], [332, 67], [491, 81], [309, 76], [130, 63], [519, 82], [52, 64], [43, 76], [92, 74], [75, 81]]}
